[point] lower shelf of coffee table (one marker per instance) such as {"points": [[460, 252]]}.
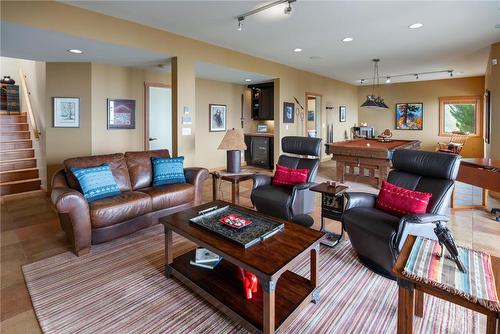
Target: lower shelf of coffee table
{"points": [[221, 287]]}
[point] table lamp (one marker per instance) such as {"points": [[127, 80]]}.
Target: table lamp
{"points": [[234, 143]]}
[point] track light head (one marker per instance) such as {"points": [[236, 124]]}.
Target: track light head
{"points": [[388, 80], [240, 23], [416, 76], [288, 9], [451, 73]]}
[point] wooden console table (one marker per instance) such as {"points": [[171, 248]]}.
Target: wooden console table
{"points": [[411, 294]]}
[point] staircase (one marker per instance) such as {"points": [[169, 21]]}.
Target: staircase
{"points": [[18, 171]]}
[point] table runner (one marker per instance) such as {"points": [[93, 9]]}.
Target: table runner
{"points": [[477, 285]]}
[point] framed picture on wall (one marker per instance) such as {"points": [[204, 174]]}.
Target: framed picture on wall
{"points": [[342, 113], [217, 117], [409, 116], [66, 112], [288, 112], [487, 110], [121, 114]]}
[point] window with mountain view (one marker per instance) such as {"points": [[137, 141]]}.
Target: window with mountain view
{"points": [[460, 114]]}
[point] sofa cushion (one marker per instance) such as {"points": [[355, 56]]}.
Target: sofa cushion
{"points": [[112, 210], [115, 161], [170, 195], [168, 171], [140, 167], [96, 182]]}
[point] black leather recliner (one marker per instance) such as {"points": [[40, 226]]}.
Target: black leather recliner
{"points": [[378, 236], [287, 202]]}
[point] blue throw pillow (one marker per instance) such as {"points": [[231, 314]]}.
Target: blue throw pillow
{"points": [[168, 171], [96, 182]]}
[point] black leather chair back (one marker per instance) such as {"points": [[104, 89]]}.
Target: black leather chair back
{"points": [[431, 172], [303, 146]]}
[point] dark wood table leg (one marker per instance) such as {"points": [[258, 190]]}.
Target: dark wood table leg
{"points": [[235, 192], [405, 310], [214, 187], [419, 303], [268, 295], [169, 257], [315, 273], [492, 325]]}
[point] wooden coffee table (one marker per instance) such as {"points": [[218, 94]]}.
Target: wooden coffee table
{"points": [[282, 294]]}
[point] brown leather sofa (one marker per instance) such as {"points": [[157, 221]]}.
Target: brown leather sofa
{"points": [[139, 205]]}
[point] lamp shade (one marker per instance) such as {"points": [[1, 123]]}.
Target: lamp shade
{"points": [[233, 140]]}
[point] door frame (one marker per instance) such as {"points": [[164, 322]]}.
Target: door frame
{"points": [[307, 94], [147, 85]]}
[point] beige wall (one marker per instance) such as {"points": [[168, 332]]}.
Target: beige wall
{"points": [[290, 82], [68, 80], [206, 143], [427, 92], [35, 79], [109, 81], [492, 83]]}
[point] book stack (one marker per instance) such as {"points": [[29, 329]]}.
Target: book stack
{"points": [[205, 259]]}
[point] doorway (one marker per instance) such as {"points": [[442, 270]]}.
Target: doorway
{"points": [[158, 132], [312, 118]]}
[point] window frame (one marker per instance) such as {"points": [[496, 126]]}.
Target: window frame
{"points": [[476, 99]]}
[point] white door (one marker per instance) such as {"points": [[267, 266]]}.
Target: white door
{"points": [[160, 118]]}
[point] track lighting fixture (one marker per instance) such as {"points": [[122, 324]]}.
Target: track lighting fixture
{"points": [[287, 10], [416, 76], [451, 74], [388, 80]]}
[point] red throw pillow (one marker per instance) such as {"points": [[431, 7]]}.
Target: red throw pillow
{"points": [[284, 176], [401, 201]]}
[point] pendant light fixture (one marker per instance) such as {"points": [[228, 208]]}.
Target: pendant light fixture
{"points": [[371, 100]]}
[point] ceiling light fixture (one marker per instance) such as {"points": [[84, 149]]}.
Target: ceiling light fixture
{"points": [[287, 10], [371, 100], [451, 73], [414, 75], [240, 23], [347, 39], [248, 80], [75, 51], [362, 81], [415, 25], [388, 80], [297, 50]]}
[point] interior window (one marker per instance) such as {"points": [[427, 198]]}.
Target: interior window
{"points": [[460, 114]]}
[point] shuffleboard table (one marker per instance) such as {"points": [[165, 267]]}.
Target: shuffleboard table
{"points": [[366, 160]]}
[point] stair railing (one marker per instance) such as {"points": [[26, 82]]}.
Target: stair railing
{"points": [[27, 98]]}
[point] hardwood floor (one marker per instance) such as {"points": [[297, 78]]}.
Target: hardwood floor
{"points": [[30, 231]]}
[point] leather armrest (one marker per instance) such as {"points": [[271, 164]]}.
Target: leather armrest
{"points": [[425, 218], [360, 200], [73, 211], [196, 176], [303, 186], [261, 180]]}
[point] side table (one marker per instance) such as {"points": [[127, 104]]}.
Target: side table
{"points": [[235, 180], [411, 294], [332, 207]]}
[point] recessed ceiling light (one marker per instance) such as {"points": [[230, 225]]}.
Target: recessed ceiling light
{"points": [[248, 80], [315, 57], [415, 26], [347, 39], [297, 50], [75, 51]]}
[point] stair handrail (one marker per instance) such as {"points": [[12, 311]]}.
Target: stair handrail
{"points": [[26, 94]]}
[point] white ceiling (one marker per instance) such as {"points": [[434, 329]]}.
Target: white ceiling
{"points": [[456, 35], [227, 74]]}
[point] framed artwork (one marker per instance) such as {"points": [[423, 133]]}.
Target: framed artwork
{"points": [[409, 116], [310, 116], [121, 114], [487, 110], [342, 113], [66, 112], [217, 117], [288, 112]]}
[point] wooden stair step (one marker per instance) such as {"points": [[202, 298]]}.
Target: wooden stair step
{"points": [[14, 127], [17, 154], [6, 119], [14, 135], [15, 187], [19, 174], [15, 144], [17, 164]]}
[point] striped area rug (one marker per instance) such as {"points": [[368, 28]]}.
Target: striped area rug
{"points": [[120, 288]]}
